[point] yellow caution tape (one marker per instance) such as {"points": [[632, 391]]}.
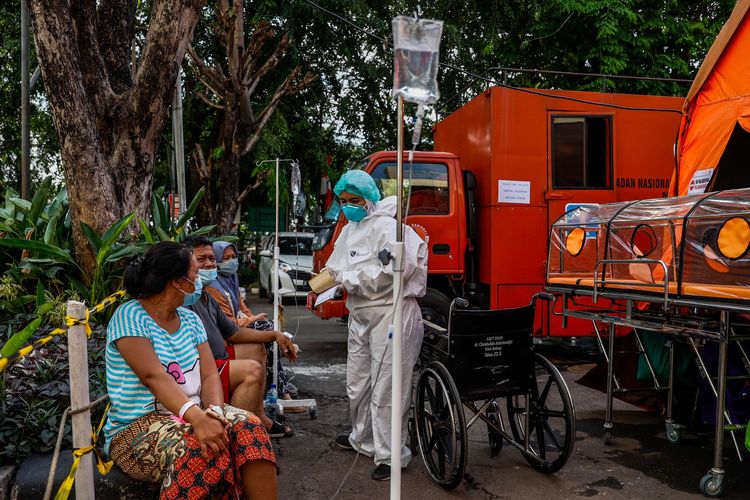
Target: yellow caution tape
{"points": [[67, 485], [69, 321], [28, 349], [103, 466]]}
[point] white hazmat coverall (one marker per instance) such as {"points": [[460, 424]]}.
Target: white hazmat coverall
{"points": [[369, 285]]}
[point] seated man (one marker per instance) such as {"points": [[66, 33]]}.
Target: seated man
{"points": [[239, 352]]}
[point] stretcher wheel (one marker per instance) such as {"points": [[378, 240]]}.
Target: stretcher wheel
{"points": [[712, 485], [441, 427], [673, 431], [495, 438], [551, 418], [608, 436], [313, 412]]}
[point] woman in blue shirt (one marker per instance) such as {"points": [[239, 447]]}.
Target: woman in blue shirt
{"points": [[168, 422]]}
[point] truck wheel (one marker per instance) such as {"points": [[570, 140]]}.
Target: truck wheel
{"points": [[435, 306]]}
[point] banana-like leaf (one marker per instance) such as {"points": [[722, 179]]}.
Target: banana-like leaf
{"points": [[228, 239], [127, 251], [145, 231], [21, 203], [110, 237], [191, 208], [18, 340], [58, 205], [94, 240], [37, 203], [84, 292], [202, 231], [155, 212], [163, 234], [44, 308], [36, 246], [40, 298], [49, 233]]}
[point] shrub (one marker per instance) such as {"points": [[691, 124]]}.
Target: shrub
{"points": [[35, 392]]}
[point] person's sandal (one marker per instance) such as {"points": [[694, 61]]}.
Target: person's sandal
{"points": [[279, 430]]}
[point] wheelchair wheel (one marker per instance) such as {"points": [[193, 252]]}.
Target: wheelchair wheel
{"points": [[441, 428], [551, 418], [495, 438]]}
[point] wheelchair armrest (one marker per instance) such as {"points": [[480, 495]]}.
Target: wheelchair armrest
{"points": [[436, 328]]}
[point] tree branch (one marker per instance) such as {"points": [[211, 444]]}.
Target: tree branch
{"points": [[115, 28], [265, 115], [203, 97], [95, 78], [272, 61], [259, 179], [215, 75], [204, 171], [170, 31]]}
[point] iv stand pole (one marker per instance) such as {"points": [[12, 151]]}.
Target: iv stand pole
{"points": [[397, 337]]}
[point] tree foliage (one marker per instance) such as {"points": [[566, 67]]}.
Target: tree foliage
{"points": [[348, 112], [229, 81], [44, 147]]}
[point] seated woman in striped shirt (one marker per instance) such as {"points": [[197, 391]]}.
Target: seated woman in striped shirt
{"points": [[168, 422]]}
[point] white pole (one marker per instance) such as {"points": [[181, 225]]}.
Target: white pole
{"points": [[78, 360], [276, 299], [179, 142], [398, 339]]}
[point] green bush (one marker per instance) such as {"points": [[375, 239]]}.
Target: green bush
{"points": [[38, 274], [34, 394]]}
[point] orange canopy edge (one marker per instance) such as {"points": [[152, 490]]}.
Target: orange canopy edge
{"points": [[718, 100]]}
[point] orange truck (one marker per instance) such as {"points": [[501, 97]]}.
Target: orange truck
{"points": [[506, 165]]}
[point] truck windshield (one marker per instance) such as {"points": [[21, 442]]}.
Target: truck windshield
{"points": [[429, 186], [324, 233]]}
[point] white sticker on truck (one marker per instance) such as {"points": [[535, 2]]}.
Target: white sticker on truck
{"points": [[514, 191], [700, 180]]}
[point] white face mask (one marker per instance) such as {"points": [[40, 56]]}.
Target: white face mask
{"points": [[229, 267]]}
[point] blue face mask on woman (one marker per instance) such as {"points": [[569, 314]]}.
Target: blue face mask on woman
{"points": [[229, 267], [207, 276], [354, 213], [191, 298]]}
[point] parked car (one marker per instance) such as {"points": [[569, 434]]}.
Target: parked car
{"points": [[295, 265]]}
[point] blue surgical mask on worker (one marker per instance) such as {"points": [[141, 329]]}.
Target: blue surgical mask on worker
{"points": [[191, 298], [354, 213], [229, 267], [207, 276]]}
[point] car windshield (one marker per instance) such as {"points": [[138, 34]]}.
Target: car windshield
{"points": [[291, 245]]}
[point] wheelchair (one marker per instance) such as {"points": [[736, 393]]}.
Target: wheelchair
{"points": [[481, 359]]}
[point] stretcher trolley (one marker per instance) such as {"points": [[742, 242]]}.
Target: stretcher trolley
{"points": [[484, 362], [678, 266]]}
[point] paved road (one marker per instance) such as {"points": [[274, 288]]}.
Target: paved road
{"points": [[640, 463]]}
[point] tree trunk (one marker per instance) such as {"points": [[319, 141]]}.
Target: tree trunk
{"points": [[233, 86], [107, 114]]}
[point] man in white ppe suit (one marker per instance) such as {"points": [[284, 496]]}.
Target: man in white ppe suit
{"points": [[369, 285]]}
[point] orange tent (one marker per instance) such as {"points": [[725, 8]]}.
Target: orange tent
{"points": [[713, 148]]}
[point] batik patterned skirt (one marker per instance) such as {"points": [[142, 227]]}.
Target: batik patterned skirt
{"points": [[162, 449]]}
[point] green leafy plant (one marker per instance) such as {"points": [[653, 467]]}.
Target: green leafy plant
{"points": [[35, 392], [165, 228], [109, 248]]}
